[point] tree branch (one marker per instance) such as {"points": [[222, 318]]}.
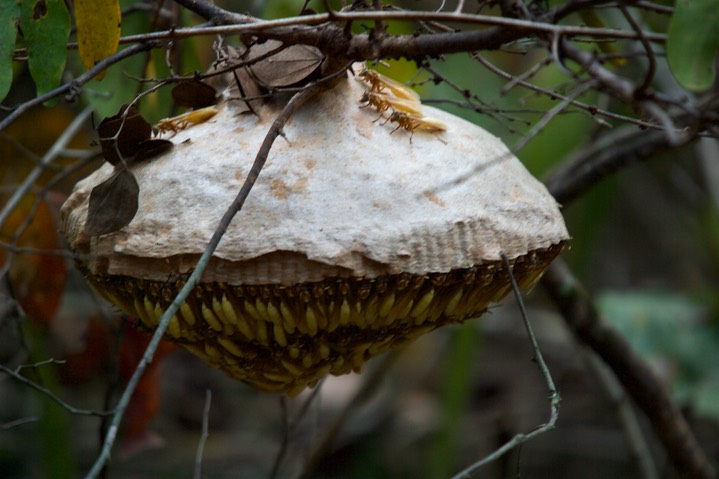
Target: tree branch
{"points": [[605, 157], [292, 106], [636, 376]]}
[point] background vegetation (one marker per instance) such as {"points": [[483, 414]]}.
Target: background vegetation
{"points": [[612, 103]]}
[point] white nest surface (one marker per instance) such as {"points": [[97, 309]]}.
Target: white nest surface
{"points": [[340, 196]]}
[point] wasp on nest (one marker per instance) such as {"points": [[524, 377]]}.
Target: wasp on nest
{"points": [[401, 104]]}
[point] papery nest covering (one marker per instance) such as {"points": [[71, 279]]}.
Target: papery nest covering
{"points": [[354, 240]]}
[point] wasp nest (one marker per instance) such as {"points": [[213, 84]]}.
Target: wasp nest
{"points": [[353, 241]]}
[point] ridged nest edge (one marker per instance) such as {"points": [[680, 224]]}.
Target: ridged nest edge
{"points": [[283, 339]]}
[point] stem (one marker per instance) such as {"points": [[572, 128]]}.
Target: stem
{"points": [[275, 130]]}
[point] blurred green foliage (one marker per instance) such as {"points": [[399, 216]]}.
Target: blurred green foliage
{"points": [[693, 43], [679, 334]]}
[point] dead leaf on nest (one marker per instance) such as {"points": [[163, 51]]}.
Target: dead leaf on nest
{"points": [[113, 204], [194, 94], [121, 134], [289, 67]]}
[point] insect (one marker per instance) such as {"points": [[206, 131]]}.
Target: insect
{"points": [[412, 122], [180, 122], [382, 103], [379, 82]]}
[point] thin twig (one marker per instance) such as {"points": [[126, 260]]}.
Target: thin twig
{"points": [[100, 66], [71, 409], [275, 130], [204, 436], [551, 114], [284, 442], [288, 427], [625, 412], [497, 114], [641, 89], [18, 422], [48, 158], [402, 15], [592, 109], [554, 397]]}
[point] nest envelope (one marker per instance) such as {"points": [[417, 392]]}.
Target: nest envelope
{"points": [[354, 240]]}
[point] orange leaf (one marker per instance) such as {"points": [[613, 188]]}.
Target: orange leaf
{"points": [[145, 403], [38, 280]]}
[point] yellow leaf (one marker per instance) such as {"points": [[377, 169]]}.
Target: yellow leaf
{"points": [[98, 30]]}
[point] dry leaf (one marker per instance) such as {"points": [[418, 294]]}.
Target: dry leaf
{"points": [[133, 129], [113, 204], [291, 66], [152, 148], [194, 94], [236, 84]]}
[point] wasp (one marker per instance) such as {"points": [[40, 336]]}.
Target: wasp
{"points": [[412, 122], [379, 82], [180, 122], [382, 103]]}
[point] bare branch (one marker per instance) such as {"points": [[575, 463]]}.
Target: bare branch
{"points": [[605, 157], [625, 412], [557, 96], [48, 158], [15, 374], [204, 436], [74, 85], [582, 317], [275, 130], [551, 114], [554, 397]]}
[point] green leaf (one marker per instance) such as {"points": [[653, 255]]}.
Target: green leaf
{"points": [[707, 398], [693, 43], [672, 330], [9, 15], [45, 26]]}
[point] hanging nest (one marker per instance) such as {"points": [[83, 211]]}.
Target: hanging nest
{"points": [[354, 240]]}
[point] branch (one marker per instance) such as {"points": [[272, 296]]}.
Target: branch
{"points": [[331, 38], [100, 66], [275, 130], [554, 397], [205, 434], [214, 14], [48, 158], [636, 376], [625, 412], [593, 110], [605, 157], [71, 409]]}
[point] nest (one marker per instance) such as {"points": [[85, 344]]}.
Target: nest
{"points": [[353, 241]]}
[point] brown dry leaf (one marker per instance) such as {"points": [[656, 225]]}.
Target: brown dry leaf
{"points": [[291, 66], [98, 30], [236, 84], [113, 204], [133, 130], [194, 94], [152, 148]]}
